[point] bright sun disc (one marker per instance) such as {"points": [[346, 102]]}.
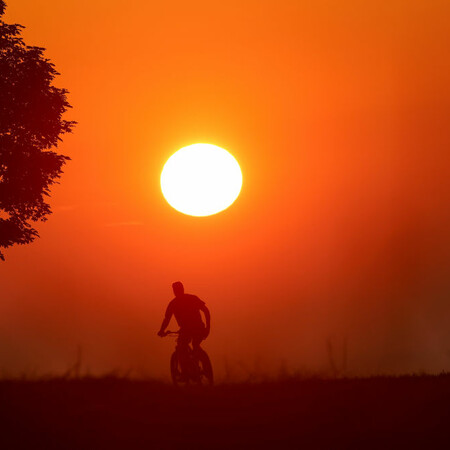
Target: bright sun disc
{"points": [[201, 179]]}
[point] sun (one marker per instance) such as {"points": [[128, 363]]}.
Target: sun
{"points": [[201, 180]]}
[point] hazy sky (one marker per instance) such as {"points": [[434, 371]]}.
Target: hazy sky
{"points": [[338, 113]]}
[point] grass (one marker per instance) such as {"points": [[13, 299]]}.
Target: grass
{"points": [[120, 413]]}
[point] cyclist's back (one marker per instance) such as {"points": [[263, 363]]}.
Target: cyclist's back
{"points": [[186, 309]]}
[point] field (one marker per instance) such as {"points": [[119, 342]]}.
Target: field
{"points": [[114, 413]]}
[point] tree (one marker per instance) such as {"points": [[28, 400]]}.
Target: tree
{"points": [[31, 124]]}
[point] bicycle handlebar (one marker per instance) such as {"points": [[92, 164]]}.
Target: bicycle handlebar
{"points": [[171, 333]]}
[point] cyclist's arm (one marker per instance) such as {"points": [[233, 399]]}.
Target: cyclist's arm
{"points": [[207, 314], [165, 321]]}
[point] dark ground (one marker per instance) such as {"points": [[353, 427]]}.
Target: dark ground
{"points": [[111, 413]]}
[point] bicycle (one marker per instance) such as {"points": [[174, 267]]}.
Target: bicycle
{"points": [[198, 365]]}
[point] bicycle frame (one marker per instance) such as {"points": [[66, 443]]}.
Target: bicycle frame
{"points": [[198, 367]]}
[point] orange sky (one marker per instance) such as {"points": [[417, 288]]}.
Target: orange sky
{"points": [[338, 113]]}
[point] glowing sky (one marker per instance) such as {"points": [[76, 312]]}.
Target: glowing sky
{"points": [[338, 113]]}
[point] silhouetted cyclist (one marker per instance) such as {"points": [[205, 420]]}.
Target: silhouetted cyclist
{"points": [[186, 309]]}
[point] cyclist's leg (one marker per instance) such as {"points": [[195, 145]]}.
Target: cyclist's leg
{"points": [[196, 349], [202, 358], [184, 339], [196, 356], [197, 339]]}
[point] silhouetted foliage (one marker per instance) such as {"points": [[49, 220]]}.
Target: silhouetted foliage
{"points": [[31, 123]]}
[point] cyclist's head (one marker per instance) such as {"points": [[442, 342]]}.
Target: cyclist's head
{"points": [[178, 288]]}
